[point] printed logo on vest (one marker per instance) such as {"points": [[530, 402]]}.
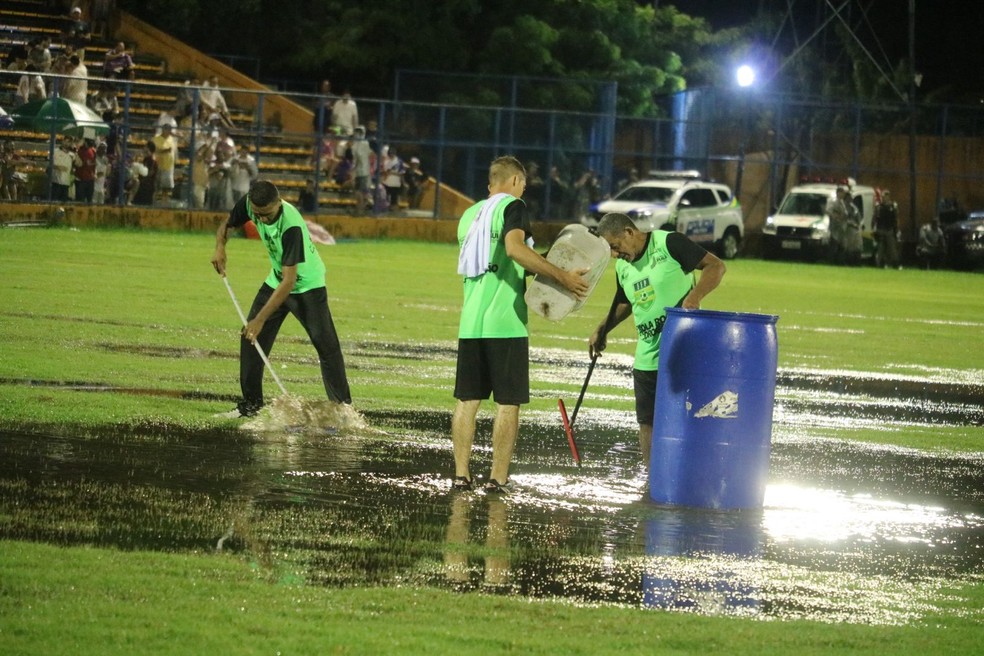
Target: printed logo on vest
{"points": [[644, 293]]}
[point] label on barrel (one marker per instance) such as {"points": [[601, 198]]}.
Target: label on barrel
{"points": [[724, 406]]}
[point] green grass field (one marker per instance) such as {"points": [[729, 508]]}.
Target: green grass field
{"points": [[144, 313]]}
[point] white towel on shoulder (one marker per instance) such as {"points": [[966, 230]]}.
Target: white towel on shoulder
{"points": [[473, 259]]}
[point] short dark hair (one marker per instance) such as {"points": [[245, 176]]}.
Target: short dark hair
{"points": [[614, 223], [263, 192]]}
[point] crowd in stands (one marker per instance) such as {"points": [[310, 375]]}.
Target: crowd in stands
{"points": [[99, 168]]}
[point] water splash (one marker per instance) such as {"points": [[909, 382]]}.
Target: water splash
{"points": [[296, 414]]}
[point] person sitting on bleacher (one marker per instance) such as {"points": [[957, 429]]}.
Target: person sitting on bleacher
{"points": [[118, 63]]}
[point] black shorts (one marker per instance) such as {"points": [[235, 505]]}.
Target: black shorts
{"points": [[644, 383], [497, 367]]}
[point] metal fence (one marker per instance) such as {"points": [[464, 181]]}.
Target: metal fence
{"points": [[761, 145]]}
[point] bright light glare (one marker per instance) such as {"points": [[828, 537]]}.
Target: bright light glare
{"points": [[745, 75]]}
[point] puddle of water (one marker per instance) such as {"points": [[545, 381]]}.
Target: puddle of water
{"points": [[849, 532]]}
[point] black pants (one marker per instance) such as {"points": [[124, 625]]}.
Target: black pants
{"points": [[311, 309]]}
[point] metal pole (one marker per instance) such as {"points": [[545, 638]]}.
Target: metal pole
{"points": [[913, 220]]}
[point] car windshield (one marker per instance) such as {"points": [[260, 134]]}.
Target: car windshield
{"points": [[810, 204], [646, 194]]}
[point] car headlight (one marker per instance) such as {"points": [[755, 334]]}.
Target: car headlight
{"points": [[770, 225], [821, 228]]}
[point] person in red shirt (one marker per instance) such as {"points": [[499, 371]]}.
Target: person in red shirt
{"points": [[85, 172]]}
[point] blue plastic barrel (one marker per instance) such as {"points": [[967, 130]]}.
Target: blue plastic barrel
{"points": [[712, 430]]}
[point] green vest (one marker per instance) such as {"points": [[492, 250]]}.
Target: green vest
{"points": [[310, 272], [652, 283], [494, 305]]}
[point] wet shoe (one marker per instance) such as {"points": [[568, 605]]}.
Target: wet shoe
{"points": [[461, 483], [495, 487]]}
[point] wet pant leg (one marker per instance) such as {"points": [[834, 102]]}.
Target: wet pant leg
{"points": [[311, 309]]}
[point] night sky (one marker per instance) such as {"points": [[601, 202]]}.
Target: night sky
{"points": [[948, 40]]}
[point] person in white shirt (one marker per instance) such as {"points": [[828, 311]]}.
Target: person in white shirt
{"points": [[345, 114], [214, 102], [242, 172], [76, 88]]}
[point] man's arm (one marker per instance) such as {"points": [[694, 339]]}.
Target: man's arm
{"points": [[280, 294], [620, 311], [219, 256], [529, 259], [711, 272]]}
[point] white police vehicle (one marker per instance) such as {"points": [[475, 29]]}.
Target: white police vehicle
{"points": [[706, 212], [801, 226]]}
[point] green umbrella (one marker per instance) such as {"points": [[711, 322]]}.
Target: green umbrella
{"points": [[60, 115]]}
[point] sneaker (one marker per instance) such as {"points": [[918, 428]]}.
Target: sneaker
{"points": [[495, 487], [461, 483]]}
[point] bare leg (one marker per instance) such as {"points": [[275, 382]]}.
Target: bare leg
{"points": [[645, 442], [463, 434], [504, 432]]}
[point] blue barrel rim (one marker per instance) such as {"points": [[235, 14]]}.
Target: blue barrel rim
{"points": [[724, 315]]}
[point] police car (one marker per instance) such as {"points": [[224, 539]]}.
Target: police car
{"points": [[706, 212]]}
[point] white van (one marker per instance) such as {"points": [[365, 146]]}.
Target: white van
{"points": [[801, 226]]}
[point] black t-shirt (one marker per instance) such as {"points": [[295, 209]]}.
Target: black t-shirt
{"points": [[292, 240], [681, 249]]}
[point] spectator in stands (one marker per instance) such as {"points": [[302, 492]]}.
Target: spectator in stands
{"points": [[325, 156], [30, 86], [184, 101], [242, 172], [16, 58], [224, 143], [102, 167], [219, 195], [39, 53], [307, 200], [147, 182], [214, 103], [105, 100], [560, 196], [535, 190], [199, 173], [118, 63], [345, 115], [85, 171], [416, 181], [360, 169], [62, 164], [165, 150], [931, 248], [322, 107], [10, 177], [77, 32], [76, 87], [392, 177], [343, 171]]}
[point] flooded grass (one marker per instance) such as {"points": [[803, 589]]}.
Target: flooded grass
{"points": [[873, 516]]}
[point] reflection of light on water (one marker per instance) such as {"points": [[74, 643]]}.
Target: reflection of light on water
{"points": [[584, 492], [795, 513]]}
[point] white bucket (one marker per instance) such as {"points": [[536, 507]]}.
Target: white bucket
{"points": [[574, 248]]}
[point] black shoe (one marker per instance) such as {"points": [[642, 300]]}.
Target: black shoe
{"points": [[495, 487], [461, 483]]}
